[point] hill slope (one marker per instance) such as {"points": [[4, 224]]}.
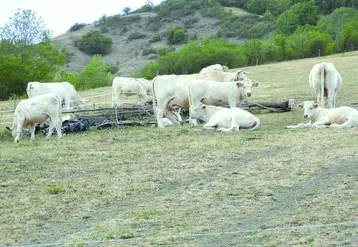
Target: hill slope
{"points": [[128, 54]]}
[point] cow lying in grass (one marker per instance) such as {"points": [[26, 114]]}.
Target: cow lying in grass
{"points": [[225, 119], [38, 109], [341, 117]]}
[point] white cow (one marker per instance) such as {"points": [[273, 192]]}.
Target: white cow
{"points": [[38, 109], [341, 117], [220, 93], [65, 90], [225, 119], [217, 67], [130, 86], [325, 81], [172, 90]]}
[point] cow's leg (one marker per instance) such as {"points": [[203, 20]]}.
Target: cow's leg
{"points": [[211, 125], [192, 121], [58, 125], [159, 111], [50, 130], [300, 126], [331, 98], [32, 130], [170, 115]]}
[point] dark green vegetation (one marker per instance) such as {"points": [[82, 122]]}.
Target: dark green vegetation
{"points": [[94, 43], [182, 186]]}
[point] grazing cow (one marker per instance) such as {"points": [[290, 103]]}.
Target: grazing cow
{"points": [[325, 81], [131, 86], [217, 67], [172, 90], [65, 90], [38, 109], [220, 93], [225, 119], [341, 117]]}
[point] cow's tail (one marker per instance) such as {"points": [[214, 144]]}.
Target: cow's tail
{"points": [[256, 124], [154, 97], [322, 72]]}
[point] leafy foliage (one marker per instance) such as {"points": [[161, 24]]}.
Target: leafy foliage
{"points": [[175, 35], [77, 26], [26, 54], [94, 43], [96, 74], [24, 26], [136, 36], [299, 14], [196, 55]]}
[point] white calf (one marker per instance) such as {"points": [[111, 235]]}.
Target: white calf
{"points": [[38, 109], [225, 119], [341, 117], [325, 81]]}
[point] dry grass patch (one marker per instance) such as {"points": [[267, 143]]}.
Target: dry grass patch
{"points": [[182, 186]]}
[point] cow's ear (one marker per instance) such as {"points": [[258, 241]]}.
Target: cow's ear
{"points": [[315, 105], [8, 128], [239, 84], [256, 84], [203, 107], [300, 106]]}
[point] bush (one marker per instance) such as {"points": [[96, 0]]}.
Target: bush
{"points": [[147, 51], [94, 43], [77, 26], [194, 56], [136, 36], [155, 38], [190, 22], [96, 74], [176, 35]]}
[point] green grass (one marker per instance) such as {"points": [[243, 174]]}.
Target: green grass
{"points": [[183, 186]]}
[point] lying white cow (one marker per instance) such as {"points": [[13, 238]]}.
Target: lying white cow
{"points": [[130, 86], [220, 93], [214, 67], [172, 90], [38, 109], [225, 119], [65, 90], [341, 117], [325, 81]]}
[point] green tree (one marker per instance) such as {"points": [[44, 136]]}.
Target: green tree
{"points": [[300, 14], [348, 37], [94, 43], [26, 54], [175, 35], [252, 50], [126, 10]]}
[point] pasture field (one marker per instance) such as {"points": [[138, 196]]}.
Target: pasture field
{"points": [[183, 186]]}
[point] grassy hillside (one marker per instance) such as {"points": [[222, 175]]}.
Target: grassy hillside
{"points": [[133, 55], [182, 186]]}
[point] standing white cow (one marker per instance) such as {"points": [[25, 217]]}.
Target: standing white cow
{"points": [[341, 117], [325, 81], [225, 119], [220, 93], [37, 109], [173, 90], [65, 90], [214, 67], [130, 86]]}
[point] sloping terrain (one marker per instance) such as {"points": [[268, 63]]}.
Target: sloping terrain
{"points": [[128, 54]]}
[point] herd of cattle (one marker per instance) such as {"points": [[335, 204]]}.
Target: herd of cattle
{"points": [[204, 94]]}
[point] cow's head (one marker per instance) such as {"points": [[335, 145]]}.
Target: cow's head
{"points": [[198, 111], [246, 87], [12, 130], [310, 108], [240, 75]]}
